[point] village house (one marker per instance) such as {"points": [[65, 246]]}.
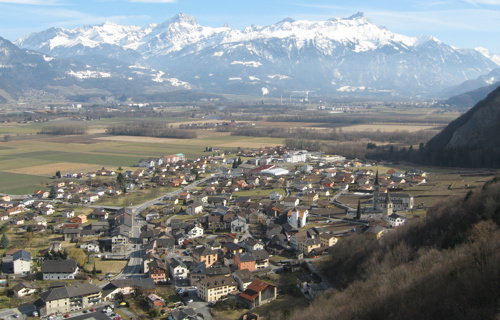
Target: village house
{"points": [[19, 262], [239, 225], [308, 245], [328, 239], [68, 213], [178, 270], [244, 260], [194, 208], [23, 289], [59, 269], [394, 220], [157, 271], [297, 218], [81, 219], [155, 301], [127, 287], [206, 255], [213, 288], [258, 293], [291, 201], [68, 298]]}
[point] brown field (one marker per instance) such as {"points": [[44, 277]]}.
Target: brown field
{"points": [[50, 169], [208, 138], [286, 124], [142, 139], [389, 127], [75, 139], [111, 266]]}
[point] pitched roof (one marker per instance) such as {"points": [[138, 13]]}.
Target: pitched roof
{"points": [[60, 266], [69, 291], [246, 257], [218, 281], [254, 288], [21, 254]]}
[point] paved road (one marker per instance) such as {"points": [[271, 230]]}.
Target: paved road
{"points": [[8, 314]]}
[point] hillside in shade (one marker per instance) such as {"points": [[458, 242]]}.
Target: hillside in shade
{"points": [[443, 266], [472, 140]]}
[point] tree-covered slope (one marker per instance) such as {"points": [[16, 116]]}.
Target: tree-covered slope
{"points": [[472, 140], [446, 266]]}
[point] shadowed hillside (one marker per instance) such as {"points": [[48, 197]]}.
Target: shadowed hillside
{"points": [[472, 140], [445, 266]]}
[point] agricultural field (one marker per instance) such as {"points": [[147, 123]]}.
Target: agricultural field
{"points": [[28, 160]]}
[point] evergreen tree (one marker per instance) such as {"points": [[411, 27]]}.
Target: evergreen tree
{"points": [[4, 242], [53, 192], [235, 164], [58, 174], [120, 180], [239, 161], [358, 211]]}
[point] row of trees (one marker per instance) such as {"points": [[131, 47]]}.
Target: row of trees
{"points": [[64, 129], [398, 136], [150, 129]]}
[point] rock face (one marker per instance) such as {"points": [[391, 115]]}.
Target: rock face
{"points": [[472, 140]]}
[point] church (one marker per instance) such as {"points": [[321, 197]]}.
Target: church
{"points": [[389, 202]]}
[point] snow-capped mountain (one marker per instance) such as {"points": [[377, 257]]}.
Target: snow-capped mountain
{"points": [[22, 71], [332, 57]]}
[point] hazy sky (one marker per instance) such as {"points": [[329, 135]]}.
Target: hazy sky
{"points": [[461, 23]]}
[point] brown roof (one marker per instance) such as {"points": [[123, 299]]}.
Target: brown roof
{"points": [[254, 288]]}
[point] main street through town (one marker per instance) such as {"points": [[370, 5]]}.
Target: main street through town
{"points": [[134, 265]]}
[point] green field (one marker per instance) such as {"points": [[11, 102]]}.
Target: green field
{"points": [[28, 160], [14, 183]]}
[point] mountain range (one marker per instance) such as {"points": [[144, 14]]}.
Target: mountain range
{"points": [[336, 57]]}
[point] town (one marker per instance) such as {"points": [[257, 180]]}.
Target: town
{"points": [[225, 236]]}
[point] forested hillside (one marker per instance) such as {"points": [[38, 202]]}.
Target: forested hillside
{"points": [[444, 266], [472, 140]]}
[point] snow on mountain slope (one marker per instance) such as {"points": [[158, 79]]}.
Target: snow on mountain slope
{"points": [[319, 56], [493, 57]]}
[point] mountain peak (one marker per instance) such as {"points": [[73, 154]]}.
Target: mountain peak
{"points": [[287, 19], [358, 15], [182, 17], [424, 39]]}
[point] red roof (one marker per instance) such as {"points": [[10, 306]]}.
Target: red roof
{"points": [[254, 288], [263, 167]]}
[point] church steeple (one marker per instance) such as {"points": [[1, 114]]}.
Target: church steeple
{"points": [[358, 211], [389, 206], [376, 185]]}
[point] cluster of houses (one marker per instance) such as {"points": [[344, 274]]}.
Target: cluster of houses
{"points": [[224, 239]]}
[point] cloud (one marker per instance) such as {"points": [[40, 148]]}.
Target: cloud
{"points": [[154, 1], [32, 2], [487, 2], [434, 21]]}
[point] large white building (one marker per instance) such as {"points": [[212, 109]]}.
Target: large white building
{"points": [[297, 218], [68, 298], [18, 263], [178, 270], [59, 269], [213, 288]]}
